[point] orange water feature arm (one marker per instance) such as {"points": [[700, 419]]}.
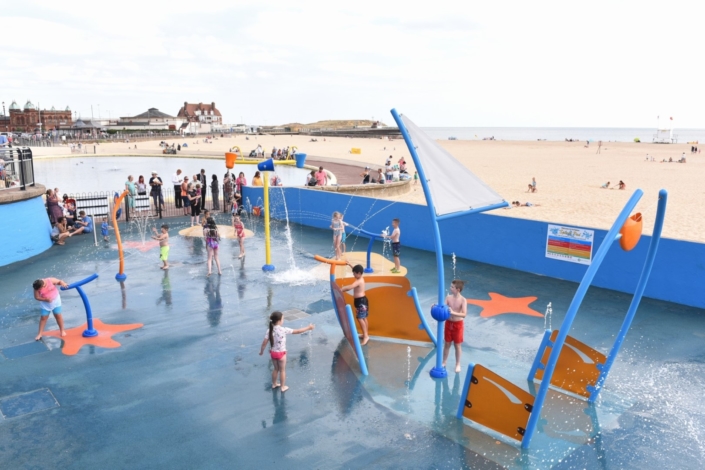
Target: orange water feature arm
{"points": [[120, 276], [333, 262]]}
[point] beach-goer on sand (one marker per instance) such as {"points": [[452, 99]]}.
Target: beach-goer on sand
{"points": [[163, 239], [240, 233], [276, 337], [380, 176], [533, 184], [620, 185], [365, 175], [362, 305], [47, 294], [321, 177], [599, 146], [455, 326], [526, 204], [606, 185]]}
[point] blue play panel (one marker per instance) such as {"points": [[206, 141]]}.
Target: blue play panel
{"points": [[192, 381]]}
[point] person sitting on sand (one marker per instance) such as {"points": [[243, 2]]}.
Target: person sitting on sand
{"points": [[620, 185], [606, 185], [526, 204]]}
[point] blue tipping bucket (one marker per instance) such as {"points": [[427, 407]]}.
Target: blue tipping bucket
{"points": [[300, 160]]}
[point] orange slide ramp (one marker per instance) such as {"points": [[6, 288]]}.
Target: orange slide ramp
{"points": [[392, 311]]}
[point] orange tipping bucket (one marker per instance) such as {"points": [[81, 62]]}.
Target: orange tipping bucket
{"points": [[631, 232], [230, 160], [257, 210]]}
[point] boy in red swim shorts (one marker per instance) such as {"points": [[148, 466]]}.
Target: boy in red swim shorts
{"points": [[455, 325]]}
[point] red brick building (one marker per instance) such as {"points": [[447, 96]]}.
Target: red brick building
{"points": [[200, 118], [28, 118]]}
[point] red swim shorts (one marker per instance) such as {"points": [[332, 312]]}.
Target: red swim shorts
{"points": [[454, 331], [276, 355]]}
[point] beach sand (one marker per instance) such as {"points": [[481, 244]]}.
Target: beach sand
{"points": [[568, 174]]}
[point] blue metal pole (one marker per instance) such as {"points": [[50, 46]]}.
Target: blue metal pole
{"points": [[424, 324], [539, 354], [89, 332], [638, 293], [572, 311], [358, 348], [369, 269], [438, 371], [466, 387]]}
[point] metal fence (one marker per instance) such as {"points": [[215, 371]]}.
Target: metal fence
{"points": [[16, 168], [101, 203]]}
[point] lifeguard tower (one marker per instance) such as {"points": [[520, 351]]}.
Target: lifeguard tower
{"points": [[664, 134]]}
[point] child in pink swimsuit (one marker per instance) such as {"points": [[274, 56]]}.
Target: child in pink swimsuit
{"points": [[47, 294], [276, 337]]}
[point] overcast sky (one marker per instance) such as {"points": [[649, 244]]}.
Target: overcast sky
{"points": [[473, 63]]}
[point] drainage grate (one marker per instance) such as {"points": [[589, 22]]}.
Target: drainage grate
{"points": [[294, 314], [26, 403], [319, 306], [26, 349]]}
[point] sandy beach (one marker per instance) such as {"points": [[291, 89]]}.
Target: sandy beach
{"points": [[569, 175]]}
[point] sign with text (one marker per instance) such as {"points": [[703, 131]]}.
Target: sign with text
{"points": [[569, 244]]}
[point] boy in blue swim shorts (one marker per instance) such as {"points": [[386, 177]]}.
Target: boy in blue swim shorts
{"points": [[360, 300], [47, 294]]}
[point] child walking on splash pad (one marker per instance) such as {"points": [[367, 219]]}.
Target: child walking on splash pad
{"points": [[395, 237], [276, 336], [47, 294], [455, 325], [240, 233], [338, 231]]}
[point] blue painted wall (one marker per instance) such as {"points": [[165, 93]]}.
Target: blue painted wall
{"points": [[678, 274], [25, 230]]}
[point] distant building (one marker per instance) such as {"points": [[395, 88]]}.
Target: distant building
{"points": [[31, 119], [152, 119], [200, 118]]}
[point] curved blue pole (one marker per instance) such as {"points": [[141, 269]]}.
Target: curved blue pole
{"points": [[358, 348], [372, 236], [424, 324], [638, 293], [89, 332], [611, 236], [438, 371]]}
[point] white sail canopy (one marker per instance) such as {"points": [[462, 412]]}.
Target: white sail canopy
{"points": [[453, 187]]}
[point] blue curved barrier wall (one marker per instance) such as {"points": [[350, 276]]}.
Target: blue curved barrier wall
{"points": [[678, 273], [24, 230]]}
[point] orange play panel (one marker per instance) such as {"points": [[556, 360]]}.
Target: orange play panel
{"points": [[576, 367], [74, 340], [500, 304], [392, 312], [498, 404]]}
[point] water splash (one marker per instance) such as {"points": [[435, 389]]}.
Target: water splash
{"points": [[547, 318], [454, 264], [141, 219]]}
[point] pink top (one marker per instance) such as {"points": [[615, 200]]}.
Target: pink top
{"points": [[240, 228], [240, 182], [321, 178], [48, 291]]}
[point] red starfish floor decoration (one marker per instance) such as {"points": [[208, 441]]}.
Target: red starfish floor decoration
{"points": [[499, 304], [74, 340]]}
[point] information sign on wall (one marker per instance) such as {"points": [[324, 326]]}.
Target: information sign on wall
{"points": [[569, 244]]}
